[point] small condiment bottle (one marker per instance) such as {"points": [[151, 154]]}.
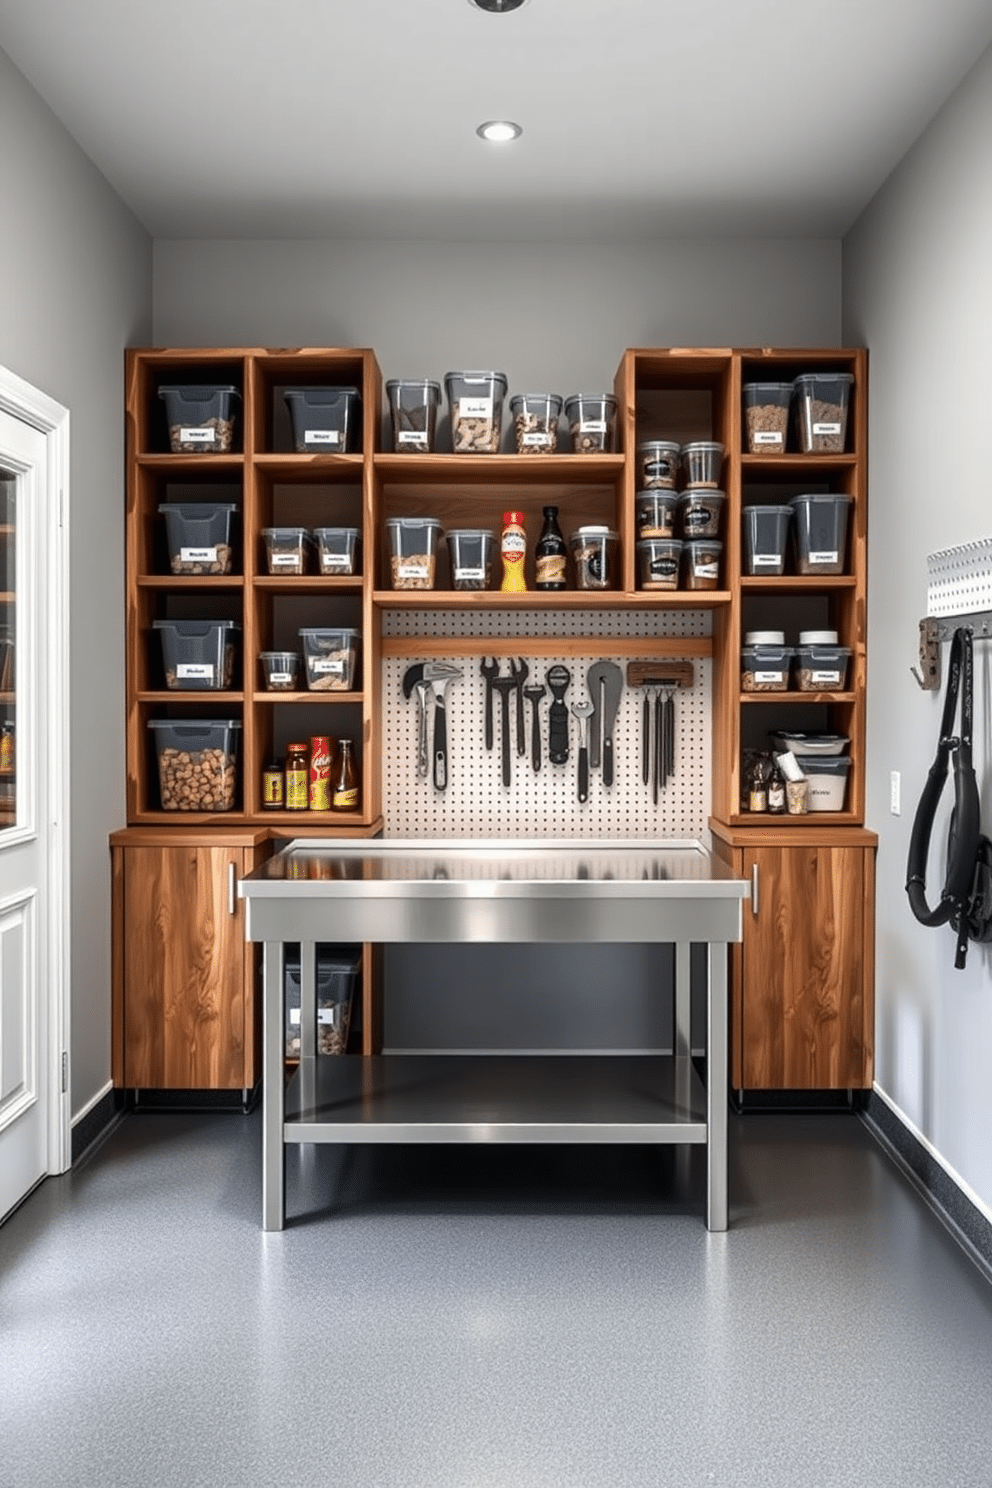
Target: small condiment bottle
{"points": [[272, 786], [319, 776], [296, 772], [757, 796], [551, 553], [344, 794], [513, 550], [776, 791]]}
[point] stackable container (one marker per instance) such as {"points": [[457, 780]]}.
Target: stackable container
{"points": [[281, 670], [198, 655], [592, 423], [701, 563], [659, 560], [594, 555], [330, 655], [658, 464], [197, 763], [820, 532], [471, 551], [820, 401], [766, 531], [413, 551], [413, 405], [765, 668], [337, 968], [200, 418], [827, 776], [766, 417], [822, 668], [337, 549], [286, 549], [702, 461], [535, 422], [655, 513], [326, 420], [475, 400], [700, 511], [798, 743], [198, 534]]}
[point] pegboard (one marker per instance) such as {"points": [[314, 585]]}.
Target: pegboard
{"points": [[543, 804], [960, 579]]}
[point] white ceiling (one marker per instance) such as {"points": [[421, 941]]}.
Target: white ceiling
{"points": [[356, 118]]}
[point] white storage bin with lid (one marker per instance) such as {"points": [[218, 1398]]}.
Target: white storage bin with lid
{"points": [[827, 775], [794, 742]]}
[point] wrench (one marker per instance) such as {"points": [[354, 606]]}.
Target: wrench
{"points": [[519, 672], [490, 670], [583, 712], [504, 686], [535, 694]]}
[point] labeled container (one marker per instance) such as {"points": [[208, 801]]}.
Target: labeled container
{"points": [[702, 461], [337, 550], [413, 405], [198, 534], [197, 763], [475, 400], [659, 560], [198, 655], [822, 668], [658, 464], [655, 513], [593, 552], [701, 562], [330, 657], [700, 511], [337, 968], [592, 423], [412, 551], [800, 743], [766, 531], [827, 780], [200, 418], [821, 401], [820, 532], [764, 638], [281, 670], [765, 668], [326, 420], [471, 551], [535, 422], [766, 416], [286, 549]]}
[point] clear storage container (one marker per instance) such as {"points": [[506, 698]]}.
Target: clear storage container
{"points": [[700, 512], [659, 560], [655, 513], [766, 531], [702, 461], [198, 655], [330, 657], [200, 418], [471, 551], [592, 423], [535, 422], [593, 552], [820, 532], [337, 550], [326, 420], [413, 551], [476, 403], [658, 464], [822, 668], [821, 400], [337, 970], [765, 668], [701, 560], [281, 670], [197, 763], [766, 416], [286, 549], [413, 405], [198, 534]]}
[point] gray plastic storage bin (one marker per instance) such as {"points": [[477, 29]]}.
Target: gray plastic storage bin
{"points": [[330, 655], [471, 550], [286, 549], [766, 530], [821, 400], [413, 405], [592, 423], [820, 532], [198, 655], [337, 968], [197, 762], [326, 420], [765, 668], [198, 534], [337, 549], [766, 416], [822, 668], [476, 403], [200, 418]]}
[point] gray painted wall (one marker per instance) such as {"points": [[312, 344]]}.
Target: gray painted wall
{"points": [[75, 289], [918, 292]]}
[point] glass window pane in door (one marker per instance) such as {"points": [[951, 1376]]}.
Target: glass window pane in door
{"points": [[8, 637]]}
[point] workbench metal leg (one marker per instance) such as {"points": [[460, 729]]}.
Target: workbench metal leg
{"points": [[683, 1000], [716, 1088], [273, 1088]]}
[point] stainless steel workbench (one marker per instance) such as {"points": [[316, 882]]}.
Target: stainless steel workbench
{"points": [[472, 892]]}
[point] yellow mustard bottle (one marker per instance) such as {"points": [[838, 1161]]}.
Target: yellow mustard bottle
{"points": [[513, 551]]}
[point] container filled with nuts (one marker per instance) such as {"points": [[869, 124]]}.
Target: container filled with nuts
{"points": [[471, 550], [413, 405], [821, 400], [198, 534], [281, 670], [658, 463], [702, 461], [476, 403], [658, 562], [594, 551], [198, 655], [821, 668], [337, 970], [337, 550], [286, 549], [330, 657], [701, 560], [766, 416], [200, 418], [592, 423], [700, 510], [412, 551], [535, 422], [655, 513], [765, 664], [197, 763]]}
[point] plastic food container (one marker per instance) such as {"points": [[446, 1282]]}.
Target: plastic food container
{"points": [[197, 763], [766, 529], [286, 549], [822, 668], [699, 512], [413, 551], [820, 532], [658, 562], [594, 554], [200, 418], [592, 423], [702, 461], [337, 549], [535, 422], [658, 463], [337, 969], [765, 668], [330, 658], [797, 743], [325, 419], [827, 777], [199, 536], [702, 563], [281, 670], [766, 416], [413, 405], [821, 400], [198, 655], [655, 513], [476, 403], [471, 550]]}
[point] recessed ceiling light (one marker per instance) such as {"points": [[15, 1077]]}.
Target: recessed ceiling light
{"points": [[497, 7], [499, 131]]}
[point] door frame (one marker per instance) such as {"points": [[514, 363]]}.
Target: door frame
{"points": [[26, 403]]}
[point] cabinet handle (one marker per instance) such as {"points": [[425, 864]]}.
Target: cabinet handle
{"points": [[754, 890], [232, 880]]}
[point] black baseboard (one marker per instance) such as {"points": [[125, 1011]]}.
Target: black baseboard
{"points": [[192, 1100], [956, 1212], [744, 1101], [96, 1121]]}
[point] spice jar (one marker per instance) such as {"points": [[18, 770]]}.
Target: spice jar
{"points": [[272, 786], [296, 772], [513, 548]]}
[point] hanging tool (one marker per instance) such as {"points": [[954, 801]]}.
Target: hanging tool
{"points": [[658, 752], [520, 671], [504, 686], [558, 679], [439, 674], [669, 735], [490, 671], [583, 712], [535, 694], [413, 680], [646, 740], [605, 682]]}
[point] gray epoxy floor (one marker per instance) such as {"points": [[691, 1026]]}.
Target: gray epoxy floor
{"points": [[467, 1318]]}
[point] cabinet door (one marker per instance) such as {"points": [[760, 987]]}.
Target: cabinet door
{"points": [[807, 1007], [187, 1004]]}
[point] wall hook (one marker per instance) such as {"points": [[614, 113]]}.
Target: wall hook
{"points": [[929, 681]]}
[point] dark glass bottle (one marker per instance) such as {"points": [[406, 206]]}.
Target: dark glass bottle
{"points": [[551, 553], [344, 793], [776, 790]]}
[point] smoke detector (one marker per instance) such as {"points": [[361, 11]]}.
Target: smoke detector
{"points": [[497, 7]]}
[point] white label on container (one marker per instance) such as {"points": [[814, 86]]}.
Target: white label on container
{"points": [[412, 436], [284, 678], [540, 440], [412, 571], [190, 670], [767, 436], [706, 570], [825, 679], [322, 436], [335, 560], [294, 1017], [198, 555], [481, 408], [284, 560], [766, 560], [327, 1015], [198, 436], [464, 574], [824, 557], [768, 676], [592, 426], [328, 667], [826, 428]]}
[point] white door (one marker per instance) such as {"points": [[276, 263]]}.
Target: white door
{"points": [[33, 1104]]}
